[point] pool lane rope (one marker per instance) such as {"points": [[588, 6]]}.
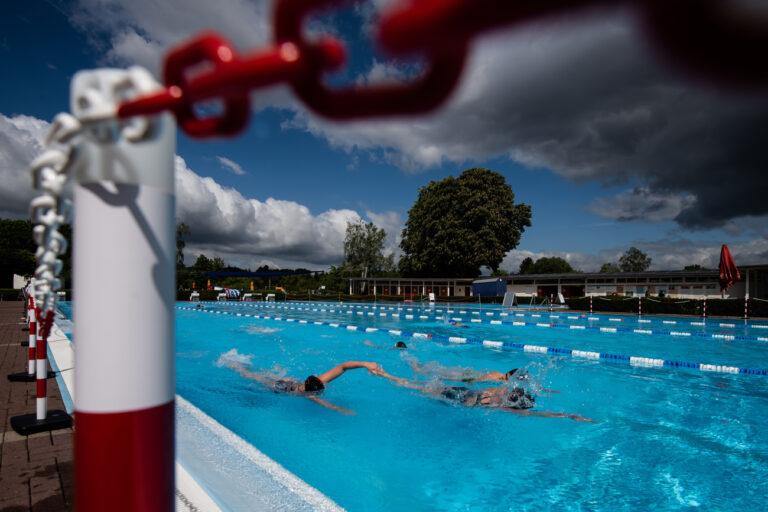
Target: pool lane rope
{"points": [[533, 315], [602, 329], [647, 362]]}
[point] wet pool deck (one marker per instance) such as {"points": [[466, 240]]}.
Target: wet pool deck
{"points": [[35, 471]]}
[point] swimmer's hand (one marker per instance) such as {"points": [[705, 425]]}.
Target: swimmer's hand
{"points": [[366, 342], [373, 368]]}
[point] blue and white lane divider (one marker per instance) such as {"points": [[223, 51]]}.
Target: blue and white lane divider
{"points": [[595, 328], [533, 349], [564, 316]]}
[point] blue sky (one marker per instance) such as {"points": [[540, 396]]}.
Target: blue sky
{"points": [[609, 146]]}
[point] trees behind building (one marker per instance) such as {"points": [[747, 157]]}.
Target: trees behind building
{"points": [[458, 225]]}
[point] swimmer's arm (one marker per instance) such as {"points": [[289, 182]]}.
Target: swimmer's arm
{"points": [[542, 414], [336, 371], [329, 405], [258, 377], [366, 342], [549, 390], [410, 384]]}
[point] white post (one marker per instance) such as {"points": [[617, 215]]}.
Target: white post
{"points": [[123, 270]]}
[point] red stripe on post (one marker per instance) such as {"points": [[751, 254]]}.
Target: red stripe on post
{"points": [[125, 461]]}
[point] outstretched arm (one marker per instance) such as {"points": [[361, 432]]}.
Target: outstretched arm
{"points": [[544, 414], [336, 371], [410, 384], [372, 345], [258, 377], [329, 405]]}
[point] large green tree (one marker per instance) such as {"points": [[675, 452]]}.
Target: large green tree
{"points": [[363, 249], [634, 260], [554, 265], [458, 225]]}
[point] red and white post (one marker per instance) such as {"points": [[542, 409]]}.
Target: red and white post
{"points": [[28, 375], [42, 370], [704, 309], [746, 306], [640, 306], [32, 313], [123, 269], [590, 304]]}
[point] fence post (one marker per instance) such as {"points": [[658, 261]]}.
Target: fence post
{"points": [[590, 304], [640, 305], [29, 375], [704, 311], [124, 239]]}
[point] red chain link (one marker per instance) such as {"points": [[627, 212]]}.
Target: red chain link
{"points": [[702, 36]]}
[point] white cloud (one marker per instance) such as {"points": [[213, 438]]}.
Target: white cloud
{"points": [[242, 231], [231, 166], [392, 223], [21, 141], [234, 227]]}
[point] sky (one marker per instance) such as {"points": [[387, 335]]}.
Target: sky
{"points": [[587, 120]]}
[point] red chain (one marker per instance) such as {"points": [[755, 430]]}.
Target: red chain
{"points": [[702, 36]]}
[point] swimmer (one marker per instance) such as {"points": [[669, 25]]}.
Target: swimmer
{"points": [[199, 306], [312, 384], [516, 400], [457, 324], [470, 375], [399, 345]]}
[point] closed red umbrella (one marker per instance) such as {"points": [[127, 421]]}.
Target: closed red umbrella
{"points": [[728, 271]]}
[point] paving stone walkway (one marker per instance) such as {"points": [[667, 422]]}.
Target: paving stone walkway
{"points": [[36, 470]]}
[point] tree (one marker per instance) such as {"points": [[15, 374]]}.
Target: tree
{"points": [[554, 265], [182, 230], [363, 249], [526, 265], [634, 260], [458, 225], [17, 250], [694, 267], [609, 267]]}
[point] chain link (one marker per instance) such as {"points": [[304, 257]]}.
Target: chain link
{"points": [[50, 210], [707, 38]]}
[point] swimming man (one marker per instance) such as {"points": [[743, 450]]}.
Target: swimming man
{"points": [[312, 384], [515, 400]]}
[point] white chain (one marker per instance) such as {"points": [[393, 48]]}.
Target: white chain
{"points": [[50, 210], [51, 170]]}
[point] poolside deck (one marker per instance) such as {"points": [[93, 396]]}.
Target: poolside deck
{"points": [[36, 471]]}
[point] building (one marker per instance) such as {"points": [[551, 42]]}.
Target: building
{"points": [[409, 287], [684, 284]]}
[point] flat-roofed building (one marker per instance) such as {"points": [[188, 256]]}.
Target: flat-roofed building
{"points": [[684, 284], [409, 287]]}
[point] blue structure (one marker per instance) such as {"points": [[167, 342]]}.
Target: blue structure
{"points": [[491, 287]]}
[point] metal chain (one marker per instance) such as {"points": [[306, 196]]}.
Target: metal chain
{"points": [[706, 38]]}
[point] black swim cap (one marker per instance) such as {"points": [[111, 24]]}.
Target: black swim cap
{"points": [[401, 344], [313, 384], [520, 399]]}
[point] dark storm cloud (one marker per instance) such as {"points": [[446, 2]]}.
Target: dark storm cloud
{"points": [[586, 98]]}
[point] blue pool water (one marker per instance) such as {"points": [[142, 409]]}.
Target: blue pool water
{"points": [[666, 438]]}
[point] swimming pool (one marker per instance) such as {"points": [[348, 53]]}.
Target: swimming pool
{"points": [[668, 438]]}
